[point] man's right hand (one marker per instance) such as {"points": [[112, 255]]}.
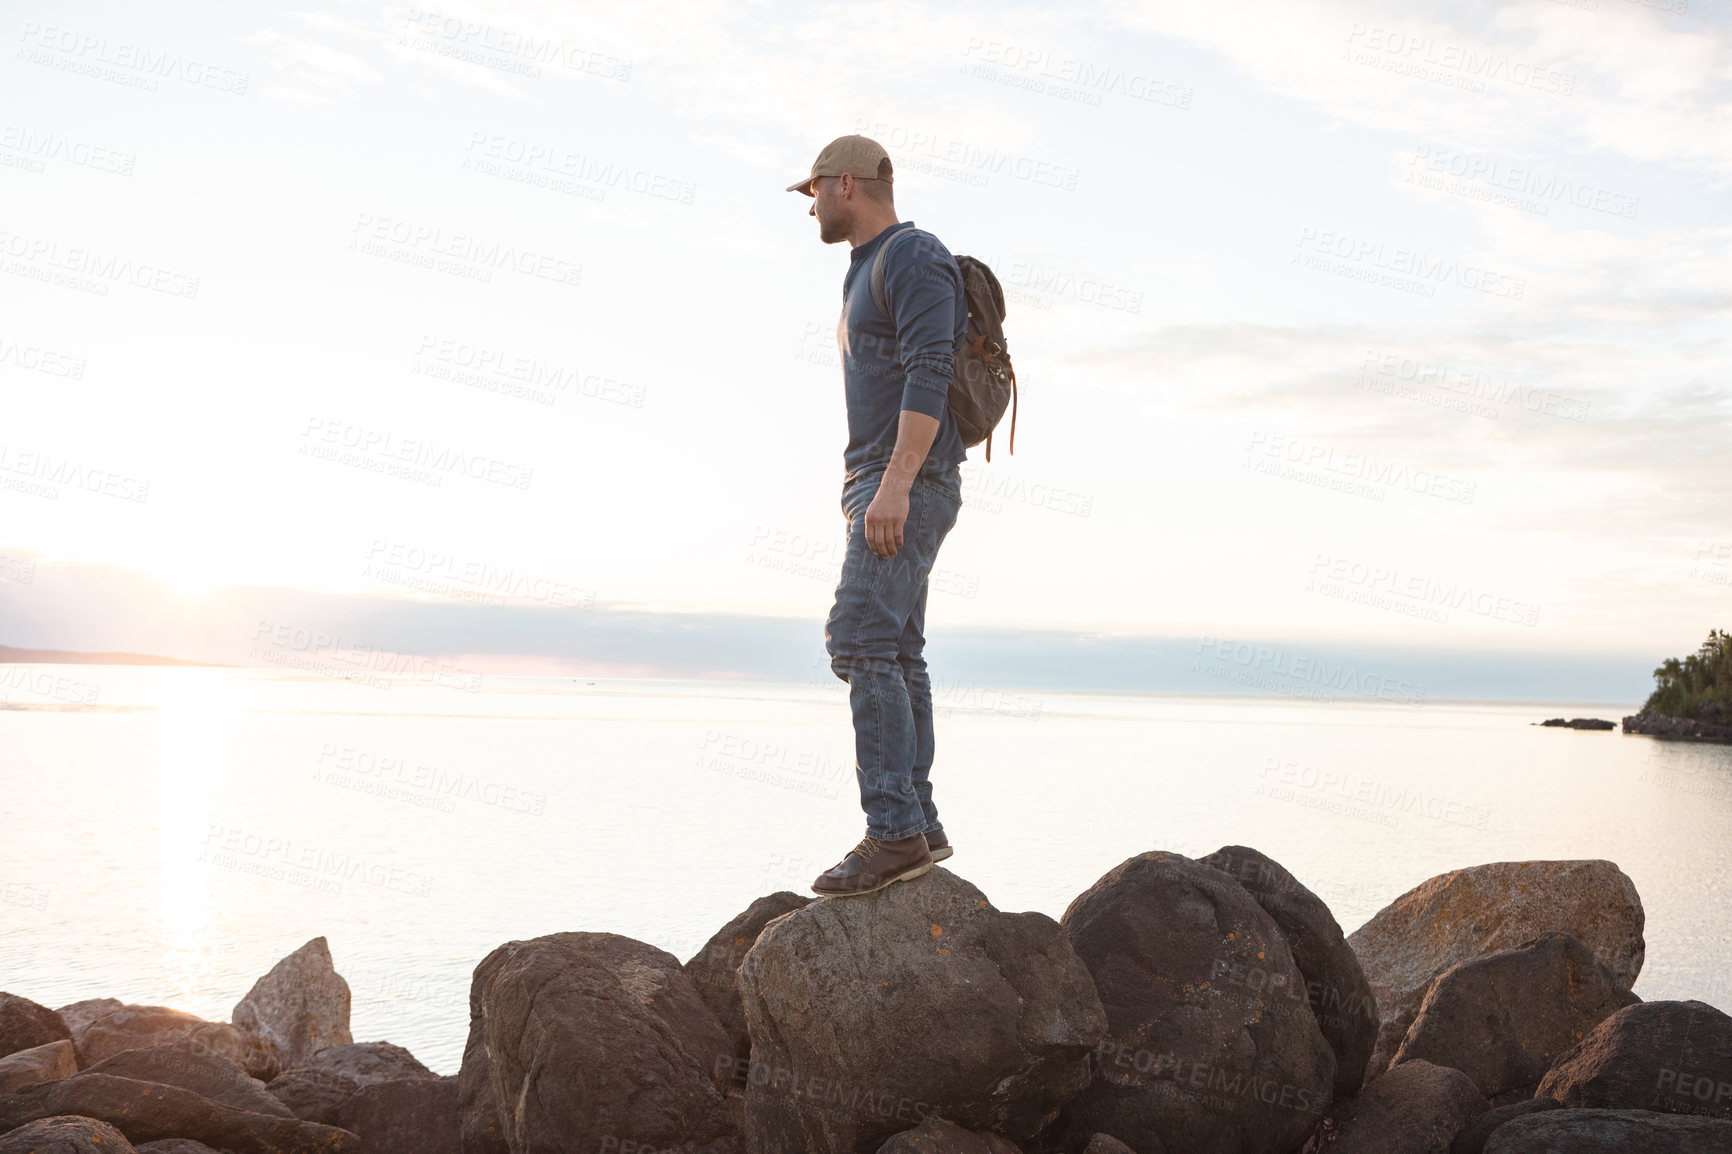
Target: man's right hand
{"points": [[886, 516]]}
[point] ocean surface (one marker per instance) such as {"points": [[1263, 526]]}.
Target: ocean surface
{"points": [[167, 834]]}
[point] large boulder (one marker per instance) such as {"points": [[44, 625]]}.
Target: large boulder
{"points": [[24, 1025], [190, 1066], [1415, 1108], [479, 1118], [313, 1094], [301, 1006], [1472, 1139], [140, 1027], [591, 1036], [1611, 1132], [936, 1136], [1673, 1057], [1335, 986], [715, 969], [410, 1116], [148, 1111], [1212, 1044], [371, 1062], [1467, 913], [46, 1063], [870, 1013], [176, 1146], [317, 1091], [79, 1015], [1503, 1019], [65, 1135], [1107, 1144]]}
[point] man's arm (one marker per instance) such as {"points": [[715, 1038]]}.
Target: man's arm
{"points": [[922, 289], [888, 511]]}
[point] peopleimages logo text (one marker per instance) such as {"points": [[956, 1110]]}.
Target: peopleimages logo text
{"points": [[90, 49], [436, 242], [384, 445], [1417, 50], [968, 156], [1268, 661], [1357, 467], [1409, 262]]}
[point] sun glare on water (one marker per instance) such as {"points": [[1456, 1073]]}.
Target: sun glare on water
{"points": [[190, 712]]}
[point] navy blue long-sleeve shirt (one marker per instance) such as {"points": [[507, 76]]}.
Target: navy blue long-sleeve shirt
{"points": [[905, 360]]}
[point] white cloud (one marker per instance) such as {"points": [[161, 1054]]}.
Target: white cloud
{"points": [[317, 72]]}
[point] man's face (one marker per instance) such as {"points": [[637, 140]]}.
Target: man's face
{"points": [[831, 208]]}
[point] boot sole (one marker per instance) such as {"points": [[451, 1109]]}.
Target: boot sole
{"points": [[886, 884], [939, 855]]}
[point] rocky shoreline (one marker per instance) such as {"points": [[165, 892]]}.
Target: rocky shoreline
{"points": [[1677, 728], [1180, 1006]]}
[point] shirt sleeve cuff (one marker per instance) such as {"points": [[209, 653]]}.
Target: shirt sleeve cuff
{"points": [[922, 397]]}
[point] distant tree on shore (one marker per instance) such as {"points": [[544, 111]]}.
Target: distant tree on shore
{"points": [[1698, 687]]}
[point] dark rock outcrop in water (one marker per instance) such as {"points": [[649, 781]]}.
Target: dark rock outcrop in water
{"points": [[1504, 1018], [1467, 913], [1692, 698], [715, 969], [870, 1014], [1579, 723], [587, 1037], [1211, 1041], [300, 1007], [1335, 987], [1677, 728]]}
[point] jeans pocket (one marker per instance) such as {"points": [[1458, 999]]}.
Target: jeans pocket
{"points": [[949, 484], [858, 494]]}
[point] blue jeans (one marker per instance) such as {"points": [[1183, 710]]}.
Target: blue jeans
{"points": [[876, 636]]}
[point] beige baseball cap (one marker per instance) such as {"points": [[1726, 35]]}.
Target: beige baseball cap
{"points": [[859, 156]]}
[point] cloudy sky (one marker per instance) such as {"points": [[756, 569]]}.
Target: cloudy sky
{"points": [[1337, 324]]}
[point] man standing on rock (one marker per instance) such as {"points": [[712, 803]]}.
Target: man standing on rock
{"points": [[901, 493]]}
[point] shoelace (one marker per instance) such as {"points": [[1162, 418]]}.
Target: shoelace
{"points": [[868, 848]]}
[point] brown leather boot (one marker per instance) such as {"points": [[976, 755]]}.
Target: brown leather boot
{"points": [[939, 845], [874, 864]]}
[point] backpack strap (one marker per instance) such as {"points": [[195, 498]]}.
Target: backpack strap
{"points": [[878, 297], [1012, 422]]}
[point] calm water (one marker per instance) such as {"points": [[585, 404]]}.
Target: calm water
{"points": [[170, 844]]}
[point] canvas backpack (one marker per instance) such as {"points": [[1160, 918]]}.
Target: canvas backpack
{"points": [[984, 383]]}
